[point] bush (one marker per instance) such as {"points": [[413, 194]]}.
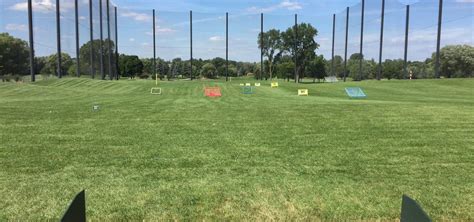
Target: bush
{"points": [[144, 76], [6, 78], [17, 78]]}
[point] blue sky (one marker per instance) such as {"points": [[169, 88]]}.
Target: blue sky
{"points": [[135, 25]]}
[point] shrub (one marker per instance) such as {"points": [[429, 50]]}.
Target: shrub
{"points": [[144, 76]]}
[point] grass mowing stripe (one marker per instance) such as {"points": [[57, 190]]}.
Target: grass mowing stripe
{"points": [[267, 156]]}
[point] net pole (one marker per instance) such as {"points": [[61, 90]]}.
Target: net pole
{"points": [[261, 48], [191, 42], [91, 32], [405, 56], [31, 40], [361, 51], [382, 21], [101, 48], [333, 40], [345, 47], [296, 49], [154, 47], [226, 46], [438, 39], [109, 42], [116, 47], [58, 39], [76, 10]]}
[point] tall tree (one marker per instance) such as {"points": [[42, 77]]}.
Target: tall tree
{"points": [[303, 39], [338, 66], [457, 61], [85, 51], [13, 55], [317, 68], [272, 45], [208, 70], [392, 68], [51, 67], [130, 66]]}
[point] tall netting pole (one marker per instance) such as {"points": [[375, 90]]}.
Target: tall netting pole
{"points": [[116, 47], [405, 56], [109, 42], [333, 40], [438, 40], [261, 42], [31, 40], [154, 45], [58, 37], [345, 47], [101, 48], [91, 30], [382, 21], [361, 40], [76, 8], [191, 43], [296, 48], [226, 46]]}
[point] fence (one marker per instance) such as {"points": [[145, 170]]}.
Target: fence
{"points": [[370, 40], [65, 37], [407, 36]]}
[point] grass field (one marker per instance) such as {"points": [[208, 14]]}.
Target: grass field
{"points": [[268, 156]]}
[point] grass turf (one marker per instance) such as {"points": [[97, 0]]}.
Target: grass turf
{"points": [[268, 156]]}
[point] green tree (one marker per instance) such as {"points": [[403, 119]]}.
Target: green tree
{"points": [[162, 68], [176, 69], [130, 66], [338, 66], [208, 70], [285, 69], [369, 67], [317, 68], [14, 56], [305, 45], [421, 70], [219, 63], [40, 63], [392, 68], [456, 61], [147, 66], [271, 48], [85, 52], [51, 65]]}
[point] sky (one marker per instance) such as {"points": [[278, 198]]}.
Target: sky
{"points": [[173, 31]]}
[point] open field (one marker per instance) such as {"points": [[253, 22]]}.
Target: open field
{"points": [[272, 155]]}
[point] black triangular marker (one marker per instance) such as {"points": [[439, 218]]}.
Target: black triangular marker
{"points": [[77, 209], [412, 212]]}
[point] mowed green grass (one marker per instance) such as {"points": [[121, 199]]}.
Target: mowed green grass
{"points": [[268, 156]]}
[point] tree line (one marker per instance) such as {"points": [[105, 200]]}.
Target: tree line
{"points": [[285, 52]]}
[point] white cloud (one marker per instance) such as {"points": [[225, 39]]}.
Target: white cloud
{"points": [[465, 1], [285, 4], [16, 27], [164, 30], [43, 6], [290, 5], [161, 30], [216, 39], [131, 40], [141, 17], [82, 17], [203, 20]]}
